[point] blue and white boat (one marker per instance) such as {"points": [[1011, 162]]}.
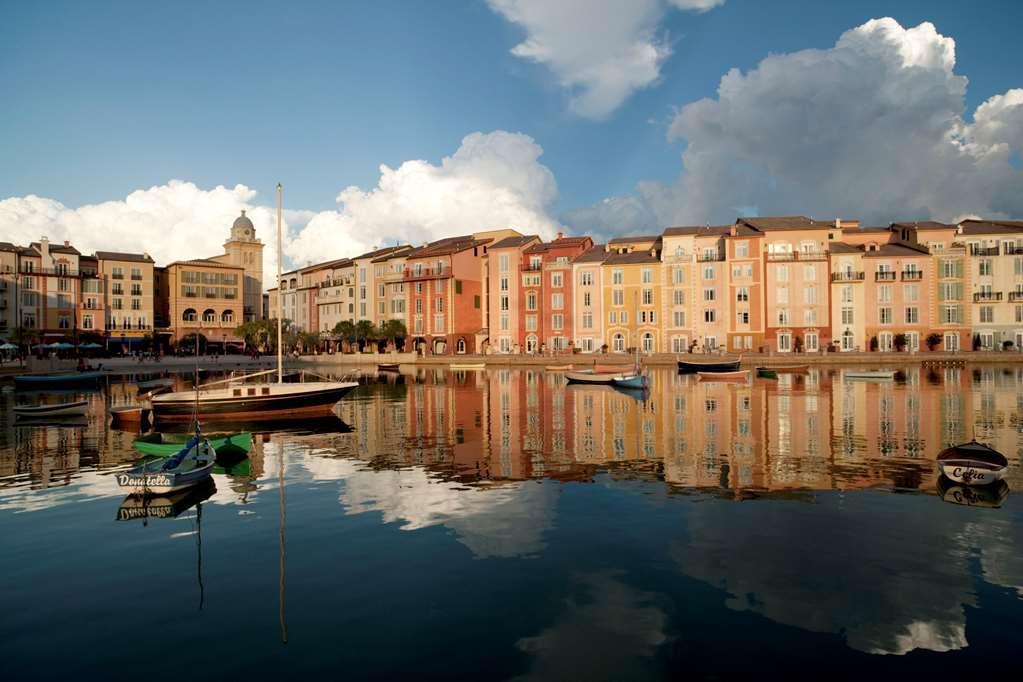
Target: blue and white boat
{"points": [[191, 465], [634, 381]]}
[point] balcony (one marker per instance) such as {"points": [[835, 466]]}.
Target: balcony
{"points": [[847, 277], [709, 257], [787, 256], [1015, 296], [884, 276], [984, 296], [54, 272], [912, 275], [117, 275], [983, 250], [532, 267], [1012, 249], [410, 275], [137, 278]]}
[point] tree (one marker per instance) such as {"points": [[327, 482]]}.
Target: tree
{"points": [[364, 332], [345, 330], [933, 339], [260, 334], [873, 343], [900, 340], [392, 330], [308, 341]]}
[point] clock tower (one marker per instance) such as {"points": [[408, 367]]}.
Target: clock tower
{"points": [[243, 249]]}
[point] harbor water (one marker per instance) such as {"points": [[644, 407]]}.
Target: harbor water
{"points": [[501, 524]]}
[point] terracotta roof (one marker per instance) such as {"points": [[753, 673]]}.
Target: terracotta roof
{"points": [[788, 222], [561, 243], [980, 227], [631, 258], [514, 242], [867, 228], [842, 247], [922, 225], [56, 248], [116, 255], [378, 252], [897, 251], [396, 252], [7, 246], [595, 254], [697, 230], [446, 247], [641, 238]]}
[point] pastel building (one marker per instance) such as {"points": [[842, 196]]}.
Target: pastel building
{"points": [[504, 286], [631, 294], [546, 290], [588, 298], [994, 258]]}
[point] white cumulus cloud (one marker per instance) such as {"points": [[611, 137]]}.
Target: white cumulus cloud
{"points": [[492, 180], [874, 127], [600, 51]]}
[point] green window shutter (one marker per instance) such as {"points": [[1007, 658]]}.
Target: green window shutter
{"points": [[458, 286], [959, 268], [476, 302]]}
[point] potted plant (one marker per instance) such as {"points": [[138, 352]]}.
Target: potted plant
{"points": [[900, 340], [873, 343], [933, 339]]}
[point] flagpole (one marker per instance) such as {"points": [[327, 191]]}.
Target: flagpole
{"points": [[280, 296]]}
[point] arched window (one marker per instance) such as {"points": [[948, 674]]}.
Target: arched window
{"points": [[847, 340], [227, 316], [209, 315], [460, 346], [618, 343], [531, 344], [648, 342], [189, 315]]}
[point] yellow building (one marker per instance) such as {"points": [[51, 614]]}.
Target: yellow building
{"points": [[994, 262], [243, 250], [129, 289], [632, 294], [204, 298]]}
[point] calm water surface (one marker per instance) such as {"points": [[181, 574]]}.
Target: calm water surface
{"points": [[501, 525]]}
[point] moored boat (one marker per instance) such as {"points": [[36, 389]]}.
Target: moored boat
{"points": [[633, 381], [191, 465], [591, 377], [972, 463], [72, 408], [128, 415], [740, 375], [766, 373], [691, 366], [167, 506], [228, 446], [870, 375], [557, 368], [387, 366], [254, 401], [144, 386], [58, 380], [990, 496], [468, 365]]}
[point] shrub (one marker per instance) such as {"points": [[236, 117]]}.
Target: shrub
{"points": [[933, 340], [873, 343]]}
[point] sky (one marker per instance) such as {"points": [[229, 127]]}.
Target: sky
{"points": [[147, 127]]}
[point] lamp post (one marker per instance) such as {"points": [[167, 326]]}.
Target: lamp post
{"points": [[224, 344]]}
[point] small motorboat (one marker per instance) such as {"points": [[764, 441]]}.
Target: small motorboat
{"points": [[472, 366], [741, 375], [387, 366], [58, 380], [766, 373], [990, 496], [691, 366], [591, 377], [191, 465], [869, 375], [972, 463], [74, 408], [229, 446], [634, 381]]}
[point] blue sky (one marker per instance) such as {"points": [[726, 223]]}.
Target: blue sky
{"points": [[101, 99]]}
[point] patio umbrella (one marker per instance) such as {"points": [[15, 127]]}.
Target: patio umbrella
{"points": [[8, 346], [89, 346], [63, 345], [39, 345]]}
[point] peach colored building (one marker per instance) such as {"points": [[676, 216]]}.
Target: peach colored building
{"points": [[588, 298], [504, 274]]}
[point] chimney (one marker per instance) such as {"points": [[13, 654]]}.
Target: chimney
{"points": [[560, 235], [44, 251], [67, 243]]}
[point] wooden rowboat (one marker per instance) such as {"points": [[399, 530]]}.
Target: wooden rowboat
{"points": [[468, 365], [691, 366], [387, 366], [741, 375], [58, 380], [192, 465], [972, 463], [590, 377], [68, 409], [230, 446], [633, 381]]}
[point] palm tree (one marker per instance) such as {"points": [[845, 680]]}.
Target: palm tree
{"points": [[364, 332], [24, 336], [345, 330], [392, 330]]}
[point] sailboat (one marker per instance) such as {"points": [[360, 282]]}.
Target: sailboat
{"points": [[250, 402]]}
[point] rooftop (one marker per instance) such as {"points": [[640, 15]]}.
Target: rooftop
{"points": [[682, 231], [788, 222], [985, 227], [631, 258], [131, 257], [515, 242], [595, 254]]}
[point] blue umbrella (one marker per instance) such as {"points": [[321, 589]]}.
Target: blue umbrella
{"points": [[89, 346]]}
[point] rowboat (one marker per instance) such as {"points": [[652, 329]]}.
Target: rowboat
{"points": [[969, 496], [591, 377], [128, 415], [869, 375], [972, 463], [766, 373], [191, 465], [633, 381], [690, 366], [58, 380], [741, 375], [166, 506], [387, 366], [68, 409], [229, 446], [473, 366], [253, 401], [558, 368]]}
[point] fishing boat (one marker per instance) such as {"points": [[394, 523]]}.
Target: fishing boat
{"points": [[591, 377], [387, 366], [252, 402], [69, 409], [134, 414], [740, 375], [691, 366], [869, 375], [766, 373], [473, 366], [58, 380], [633, 381], [972, 463], [228, 446]]}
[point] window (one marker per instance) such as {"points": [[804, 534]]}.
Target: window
{"points": [[679, 297], [784, 342], [984, 267], [557, 280], [847, 315], [648, 342], [781, 273], [618, 343], [679, 344], [617, 277], [586, 299], [810, 295], [381, 291], [86, 321], [530, 323], [677, 276], [419, 306], [781, 295], [742, 249], [884, 315], [1019, 313], [535, 262], [708, 272], [742, 317], [586, 278], [912, 315], [648, 297], [624, 317], [987, 314], [951, 314], [911, 293], [557, 321], [557, 301], [612, 317], [783, 317], [847, 294], [502, 263], [811, 343], [708, 294], [531, 300], [587, 320], [708, 315], [189, 315], [679, 318], [742, 294], [618, 297], [504, 323], [647, 275], [458, 286], [884, 293], [227, 316], [810, 272], [809, 317], [504, 303], [438, 322]]}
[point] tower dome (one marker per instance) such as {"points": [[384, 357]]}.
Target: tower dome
{"points": [[243, 228]]}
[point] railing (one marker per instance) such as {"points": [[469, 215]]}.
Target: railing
{"points": [[1016, 295], [1012, 249], [426, 273], [797, 255], [847, 277], [987, 296], [137, 278], [709, 257], [983, 250], [56, 272], [884, 276], [912, 275], [532, 267], [117, 275]]}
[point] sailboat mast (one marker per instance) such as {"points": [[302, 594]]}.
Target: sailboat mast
{"points": [[280, 296]]}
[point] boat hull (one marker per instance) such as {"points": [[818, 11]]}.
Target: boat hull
{"points": [[591, 377], [692, 367], [316, 403], [870, 376], [72, 409], [971, 472], [741, 375], [636, 381], [392, 367], [62, 380], [234, 445], [149, 478]]}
